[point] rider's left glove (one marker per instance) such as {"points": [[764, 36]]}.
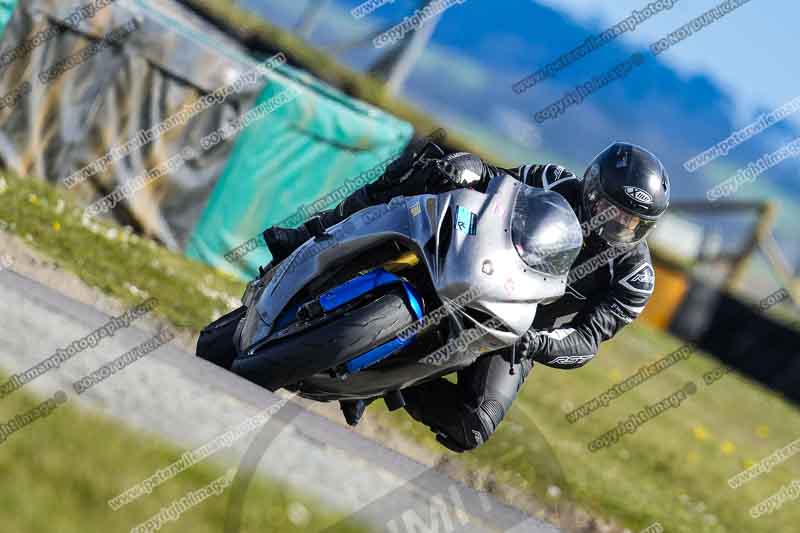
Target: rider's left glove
{"points": [[530, 344]]}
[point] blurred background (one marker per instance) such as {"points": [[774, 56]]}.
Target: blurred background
{"points": [[720, 264]]}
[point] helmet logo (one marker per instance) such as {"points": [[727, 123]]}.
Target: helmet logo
{"points": [[638, 195], [594, 171]]}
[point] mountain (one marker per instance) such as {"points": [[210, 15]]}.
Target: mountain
{"points": [[480, 49]]}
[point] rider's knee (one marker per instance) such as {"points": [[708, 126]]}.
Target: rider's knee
{"points": [[480, 424]]}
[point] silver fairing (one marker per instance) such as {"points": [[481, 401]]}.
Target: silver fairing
{"points": [[480, 256]]}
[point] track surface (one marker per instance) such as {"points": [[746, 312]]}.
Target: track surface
{"points": [[189, 402]]}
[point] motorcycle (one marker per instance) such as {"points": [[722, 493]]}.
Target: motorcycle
{"points": [[401, 293]]}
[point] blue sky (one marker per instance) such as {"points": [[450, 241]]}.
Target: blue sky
{"points": [[752, 51]]}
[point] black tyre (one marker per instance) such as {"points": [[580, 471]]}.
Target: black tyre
{"points": [[328, 345], [216, 340]]}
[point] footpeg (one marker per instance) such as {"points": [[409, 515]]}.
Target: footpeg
{"points": [[310, 310]]}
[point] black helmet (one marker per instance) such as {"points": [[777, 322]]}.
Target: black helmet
{"points": [[625, 191]]}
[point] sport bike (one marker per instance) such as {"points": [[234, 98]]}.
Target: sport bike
{"points": [[401, 293]]}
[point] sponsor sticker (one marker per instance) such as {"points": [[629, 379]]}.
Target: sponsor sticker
{"points": [[466, 220]]}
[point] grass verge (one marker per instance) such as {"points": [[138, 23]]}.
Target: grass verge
{"points": [[673, 470], [56, 478]]}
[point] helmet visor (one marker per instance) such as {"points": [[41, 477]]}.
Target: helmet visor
{"points": [[617, 226]]}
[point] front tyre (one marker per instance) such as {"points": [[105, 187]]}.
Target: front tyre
{"points": [[215, 343], [332, 343]]}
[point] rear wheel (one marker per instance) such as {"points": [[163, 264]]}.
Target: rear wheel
{"points": [[332, 343]]}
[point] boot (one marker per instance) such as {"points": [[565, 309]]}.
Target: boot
{"points": [[353, 410]]}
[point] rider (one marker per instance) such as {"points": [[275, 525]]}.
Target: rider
{"points": [[618, 200]]}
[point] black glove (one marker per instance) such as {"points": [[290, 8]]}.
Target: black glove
{"points": [[530, 344], [430, 176]]}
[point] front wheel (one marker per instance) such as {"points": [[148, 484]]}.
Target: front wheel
{"points": [[332, 343], [215, 343]]}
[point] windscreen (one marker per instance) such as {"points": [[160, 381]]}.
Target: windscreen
{"points": [[545, 231]]}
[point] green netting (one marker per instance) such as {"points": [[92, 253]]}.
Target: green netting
{"points": [[6, 9], [320, 143]]}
